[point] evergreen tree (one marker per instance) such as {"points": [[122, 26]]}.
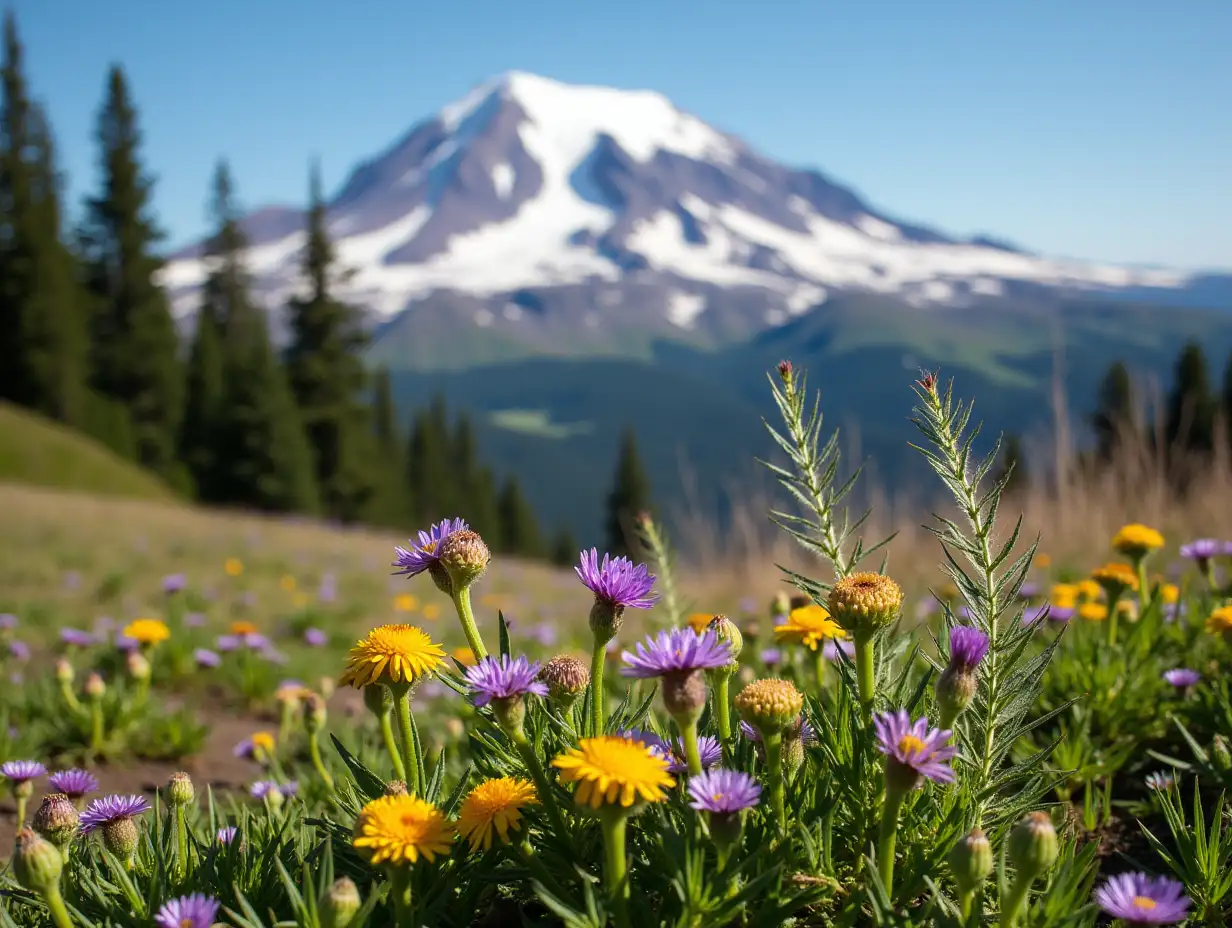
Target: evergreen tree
{"points": [[519, 531], [203, 403], [390, 503], [42, 338], [473, 487], [1192, 405], [1114, 418], [430, 475], [564, 548], [629, 496], [134, 347], [326, 372]]}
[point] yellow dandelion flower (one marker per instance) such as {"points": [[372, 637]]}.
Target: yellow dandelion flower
{"points": [[287, 582], [494, 805], [1220, 621], [699, 620], [1169, 592], [610, 769], [431, 612], [392, 654], [1137, 540], [810, 626], [1089, 590], [1115, 577], [1064, 594], [1093, 612], [401, 829], [243, 628], [147, 631], [1042, 559], [405, 602], [464, 656], [233, 566]]}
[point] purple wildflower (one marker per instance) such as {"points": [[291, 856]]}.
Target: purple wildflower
{"points": [[22, 771], [327, 592], [748, 605], [263, 788], [709, 748], [227, 834], [806, 733], [290, 789], [174, 583], [76, 638], [420, 557], [194, 619], [315, 638], [544, 633], [830, 649], [723, 791], [226, 643], [8, 621], [1029, 590], [1060, 613], [1160, 781], [678, 650], [967, 647], [195, 911], [1139, 899], [915, 746], [124, 643], [1182, 677], [19, 651], [111, 808], [1203, 549], [504, 679], [617, 581], [206, 658], [73, 783], [771, 657]]}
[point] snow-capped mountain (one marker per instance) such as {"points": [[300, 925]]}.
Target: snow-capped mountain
{"points": [[532, 203]]}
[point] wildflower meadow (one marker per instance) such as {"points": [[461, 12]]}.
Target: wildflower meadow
{"points": [[1022, 743]]}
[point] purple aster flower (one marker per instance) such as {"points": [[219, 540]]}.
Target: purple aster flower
{"points": [[617, 581], [432, 689], [315, 638], [76, 638], [195, 911], [544, 633], [227, 643], [723, 792], [327, 592], [8, 621], [290, 789], [424, 555], [22, 771], [255, 641], [967, 647], [964, 612], [914, 747], [710, 750], [504, 678], [677, 650], [1203, 549], [779, 619], [194, 619], [124, 643], [1139, 899], [73, 783], [748, 606], [174, 583], [19, 651], [1060, 614], [771, 657], [227, 834], [1029, 590], [263, 788], [830, 649], [806, 733], [111, 808], [1182, 677], [1160, 781], [206, 658]]}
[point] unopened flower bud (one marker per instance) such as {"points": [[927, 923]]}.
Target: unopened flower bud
{"points": [[1033, 845], [64, 670], [510, 713], [340, 904], [606, 617], [395, 788], [315, 713], [180, 791], [94, 687], [566, 677], [1220, 754], [120, 836], [793, 754], [57, 820], [971, 861], [684, 695], [770, 706], [955, 690], [465, 557], [725, 630], [865, 602], [36, 862], [378, 699], [138, 666]]}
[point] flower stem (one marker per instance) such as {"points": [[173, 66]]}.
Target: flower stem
{"points": [[544, 788], [598, 657], [96, 727], [1112, 621], [462, 603], [402, 705], [886, 839], [181, 840], [692, 756], [722, 709], [21, 811], [965, 899], [773, 744], [866, 670], [70, 698], [391, 745], [314, 749], [55, 904], [1014, 901], [819, 665], [1144, 588], [615, 875], [536, 866], [400, 889]]}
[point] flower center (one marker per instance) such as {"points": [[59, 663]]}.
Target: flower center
{"points": [[910, 744], [187, 922], [1145, 903], [716, 796]]}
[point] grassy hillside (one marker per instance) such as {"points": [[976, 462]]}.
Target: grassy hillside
{"points": [[37, 451]]}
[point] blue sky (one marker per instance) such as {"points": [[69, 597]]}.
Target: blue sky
{"points": [[1097, 128]]}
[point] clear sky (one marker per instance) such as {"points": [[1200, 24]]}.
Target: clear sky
{"points": [[1088, 128]]}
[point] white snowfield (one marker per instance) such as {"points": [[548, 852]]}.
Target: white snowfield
{"points": [[561, 126]]}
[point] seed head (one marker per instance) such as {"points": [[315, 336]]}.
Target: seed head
{"points": [[180, 791], [314, 712], [865, 602], [36, 862], [1221, 754], [567, 677], [138, 666], [396, 788], [770, 706], [120, 836], [465, 557], [1033, 845], [57, 820]]}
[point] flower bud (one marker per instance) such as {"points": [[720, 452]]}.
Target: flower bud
{"points": [[781, 604], [725, 630], [510, 713], [770, 706], [971, 861], [684, 695], [57, 820], [64, 670], [378, 700], [180, 791], [340, 904], [315, 713], [1033, 845], [1220, 754], [395, 788], [865, 602], [725, 828], [606, 617], [465, 557], [138, 666], [955, 689], [326, 687], [793, 754], [566, 677], [94, 687], [36, 862], [120, 836]]}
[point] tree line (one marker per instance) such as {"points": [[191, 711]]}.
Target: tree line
{"points": [[87, 337]]}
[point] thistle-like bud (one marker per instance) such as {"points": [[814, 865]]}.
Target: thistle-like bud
{"points": [[120, 836], [971, 861], [57, 820], [180, 791], [1220, 754], [64, 670], [606, 617], [94, 687], [138, 666], [684, 695], [315, 713], [340, 904], [566, 677], [770, 706], [1033, 845], [395, 788], [465, 557], [37, 863], [865, 602], [787, 374], [378, 700], [958, 682], [725, 630], [793, 754], [510, 714]]}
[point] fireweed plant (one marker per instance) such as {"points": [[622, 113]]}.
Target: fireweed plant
{"points": [[1017, 765]]}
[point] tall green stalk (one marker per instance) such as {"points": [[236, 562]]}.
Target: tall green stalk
{"points": [[391, 746], [598, 704], [461, 597], [314, 750], [773, 744], [692, 756], [887, 837], [542, 785], [866, 670], [410, 760], [722, 709], [615, 869]]}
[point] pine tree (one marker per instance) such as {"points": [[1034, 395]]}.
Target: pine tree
{"points": [[203, 403], [630, 495], [564, 548], [390, 503], [1192, 405], [474, 488], [134, 346], [326, 372], [519, 530], [42, 338], [1114, 418], [430, 476]]}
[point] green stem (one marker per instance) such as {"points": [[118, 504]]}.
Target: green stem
{"points": [[1014, 901], [462, 603], [1112, 621], [284, 724], [544, 788], [597, 708], [400, 889], [945, 716], [55, 904], [21, 811], [722, 708], [692, 756], [96, 727], [391, 745], [819, 665], [965, 899], [402, 706], [866, 670], [773, 744], [886, 839], [536, 866], [181, 840], [1144, 589], [70, 698], [615, 875], [314, 749]]}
